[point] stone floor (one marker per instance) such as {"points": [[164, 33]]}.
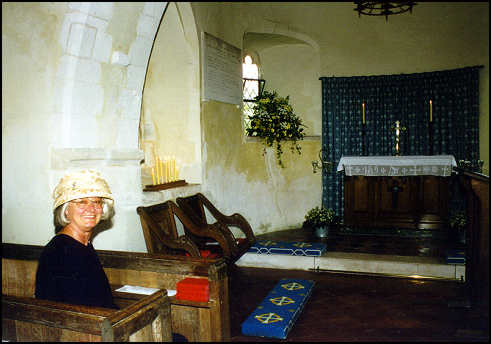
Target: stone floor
{"points": [[347, 307]]}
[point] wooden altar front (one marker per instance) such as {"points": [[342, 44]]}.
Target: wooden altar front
{"points": [[396, 191]]}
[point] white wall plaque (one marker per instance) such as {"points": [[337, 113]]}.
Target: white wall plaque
{"points": [[222, 70]]}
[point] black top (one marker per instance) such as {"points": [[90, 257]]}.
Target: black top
{"points": [[71, 272]]}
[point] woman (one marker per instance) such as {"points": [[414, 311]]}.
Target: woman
{"points": [[69, 270]]}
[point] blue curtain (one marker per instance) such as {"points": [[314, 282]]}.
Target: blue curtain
{"points": [[402, 97]]}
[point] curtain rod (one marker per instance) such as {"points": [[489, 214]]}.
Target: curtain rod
{"points": [[445, 70]]}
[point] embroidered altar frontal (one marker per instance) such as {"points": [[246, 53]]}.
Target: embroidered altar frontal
{"points": [[290, 248], [277, 313]]}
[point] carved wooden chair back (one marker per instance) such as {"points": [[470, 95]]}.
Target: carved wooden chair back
{"points": [[160, 231], [194, 206]]}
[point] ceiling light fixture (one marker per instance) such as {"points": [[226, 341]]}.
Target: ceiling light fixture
{"points": [[383, 8]]}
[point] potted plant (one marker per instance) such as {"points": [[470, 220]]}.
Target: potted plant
{"points": [[458, 221], [274, 121], [320, 219]]}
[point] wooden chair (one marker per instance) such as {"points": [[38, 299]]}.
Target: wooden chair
{"points": [[194, 206], [160, 231], [161, 236]]}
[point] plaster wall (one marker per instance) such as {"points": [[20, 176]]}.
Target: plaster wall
{"points": [[290, 69], [241, 179], [72, 80]]}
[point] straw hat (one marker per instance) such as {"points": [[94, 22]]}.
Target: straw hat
{"points": [[80, 184]]}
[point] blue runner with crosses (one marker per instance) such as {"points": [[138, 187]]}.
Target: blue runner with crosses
{"points": [[277, 313]]}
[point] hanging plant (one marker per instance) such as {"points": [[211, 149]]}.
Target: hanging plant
{"points": [[274, 121]]}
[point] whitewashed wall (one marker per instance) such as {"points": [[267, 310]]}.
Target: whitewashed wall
{"points": [[72, 82]]}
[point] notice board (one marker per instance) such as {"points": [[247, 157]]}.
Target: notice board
{"points": [[222, 70]]}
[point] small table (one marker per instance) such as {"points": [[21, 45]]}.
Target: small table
{"points": [[396, 191]]}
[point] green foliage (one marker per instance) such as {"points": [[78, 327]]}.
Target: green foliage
{"points": [[320, 216], [274, 121], [458, 220]]}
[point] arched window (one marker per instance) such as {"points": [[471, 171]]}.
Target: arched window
{"points": [[252, 86]]}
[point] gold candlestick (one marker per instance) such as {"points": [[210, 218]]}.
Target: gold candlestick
{"points": [[398, 129], [363, 107]]}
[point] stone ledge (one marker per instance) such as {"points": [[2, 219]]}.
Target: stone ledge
{"points": [[155, 197], [358, 262], [63, 158]]}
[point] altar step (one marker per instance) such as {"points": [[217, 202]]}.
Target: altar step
{"points": [[372, 252], [350, 262]]}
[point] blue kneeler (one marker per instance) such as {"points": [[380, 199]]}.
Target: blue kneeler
{"points": [[277, 313]]}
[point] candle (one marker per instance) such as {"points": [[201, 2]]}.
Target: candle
{"points": [[161, 170], [431, 110], [173, 169], [153, 176], [167, 170], [157, 169], [363, 107], [164, 176]]}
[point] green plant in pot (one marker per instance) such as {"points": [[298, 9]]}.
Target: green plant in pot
{"points": [[274, 122], [458, 221], [319, 219]]}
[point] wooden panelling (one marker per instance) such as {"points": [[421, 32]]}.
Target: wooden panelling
{"points": [[418, 202]]}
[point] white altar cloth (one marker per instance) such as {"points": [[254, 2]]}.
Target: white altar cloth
{"points": [[411, 165]]}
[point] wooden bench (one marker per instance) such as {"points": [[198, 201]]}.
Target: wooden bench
{"points": [[196, 208], [197, 321]]}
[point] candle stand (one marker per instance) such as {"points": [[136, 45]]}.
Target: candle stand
{"points": [[363, 142], [430, 137], [165, 186]]}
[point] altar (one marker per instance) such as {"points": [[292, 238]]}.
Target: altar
{"points": [[397, 191]]}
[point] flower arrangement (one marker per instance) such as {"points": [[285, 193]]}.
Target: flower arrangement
{"points": [[274, 121], [319, 217], [458, 220]]}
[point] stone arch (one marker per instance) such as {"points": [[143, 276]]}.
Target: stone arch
{"points": [[99, 119], [170, 120], [272, 28], [86, 44]]}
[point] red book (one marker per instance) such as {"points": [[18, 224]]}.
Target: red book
{"points": [[192, 297], [193, 289]]}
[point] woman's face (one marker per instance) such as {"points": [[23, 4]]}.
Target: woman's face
{"points": [[84, 213]]}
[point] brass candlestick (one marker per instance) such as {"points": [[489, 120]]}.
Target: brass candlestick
{"points": [[398, 129], [321, 164]]}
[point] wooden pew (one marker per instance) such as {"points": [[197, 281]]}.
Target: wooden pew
{"points": [[30, 319], [197, 321], [476, 186]]}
